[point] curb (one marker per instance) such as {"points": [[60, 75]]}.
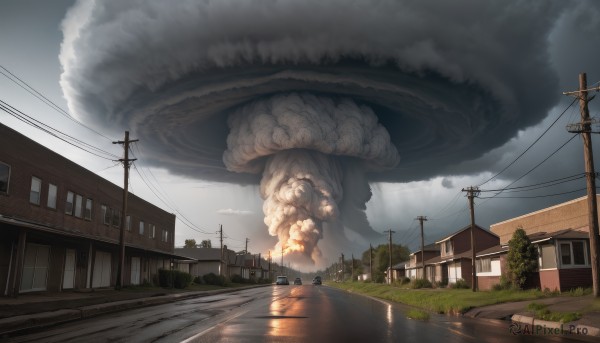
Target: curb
{"points": [[571, 328], [12, 325]]}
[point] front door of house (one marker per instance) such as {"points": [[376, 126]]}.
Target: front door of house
{"points": [[69, 273], [135, 270]]}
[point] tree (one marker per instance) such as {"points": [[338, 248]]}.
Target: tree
{"points": [[190, 243], [381, 259], [206, 244], [522, 258]]}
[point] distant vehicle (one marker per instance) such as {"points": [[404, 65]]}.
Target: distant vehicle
{"points": [[282, 280], [297, 281], [316, 280]]}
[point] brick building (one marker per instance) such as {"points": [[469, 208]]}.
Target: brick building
{"points": [[571, 214], [60, 223]]}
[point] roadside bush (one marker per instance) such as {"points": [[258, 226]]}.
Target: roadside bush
{"points": [[237, 278], [198, 280], [460, 284], [174, 278], [213, 279], [420, 283], [404, 280]]}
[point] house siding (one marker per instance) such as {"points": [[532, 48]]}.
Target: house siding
{"points": [[574, 277]]}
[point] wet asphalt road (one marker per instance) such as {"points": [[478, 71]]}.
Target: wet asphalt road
{"points": [[304, 313]]}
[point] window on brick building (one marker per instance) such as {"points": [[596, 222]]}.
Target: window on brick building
{"points": [[165, 235], [52, 190], [116, 219], [69, 203], [78, 206], [36, 188], [152, 230], [88, 209], [141, 227], [4, 177], [106, 214], [128, 223]]}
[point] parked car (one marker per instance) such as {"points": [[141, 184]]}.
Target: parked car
{"points": [[297, 281], [282, 280], [316, 280]]}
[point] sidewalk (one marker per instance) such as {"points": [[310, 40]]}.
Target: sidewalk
{"points": [[517, 312], [38, 310]]}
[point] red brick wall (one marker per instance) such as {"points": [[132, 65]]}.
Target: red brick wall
{"points": [[485, 283], [27, 158], [549, 279]]}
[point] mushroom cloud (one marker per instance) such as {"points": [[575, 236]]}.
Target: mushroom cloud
{"points": [[311, 99]]}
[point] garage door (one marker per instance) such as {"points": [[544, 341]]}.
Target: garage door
{"points": [[35, 267], [102, 269], [135, 270]]}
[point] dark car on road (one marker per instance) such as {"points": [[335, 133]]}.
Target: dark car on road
{"points": [[297, 281], [316, 280], [282, 280]]}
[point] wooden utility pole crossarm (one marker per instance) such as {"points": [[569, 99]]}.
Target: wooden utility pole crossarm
{"points": [[126, 163], [585, 129]]}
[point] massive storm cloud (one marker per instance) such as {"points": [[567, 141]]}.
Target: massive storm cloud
{"points": [[311, 99]]}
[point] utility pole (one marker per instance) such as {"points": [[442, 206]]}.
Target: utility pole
{"points": [[343, 267], [352, 279], [282, 259], [371, 261], [585, 128], [126, 163], [246, 250], [472, 192], [421, 219], [390, 274], [221, 238], [270, 264]]}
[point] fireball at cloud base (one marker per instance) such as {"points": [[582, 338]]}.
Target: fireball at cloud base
{"points": [[316, 98]]}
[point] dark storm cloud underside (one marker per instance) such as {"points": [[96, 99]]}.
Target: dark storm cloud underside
{"points": [[432, 121]]}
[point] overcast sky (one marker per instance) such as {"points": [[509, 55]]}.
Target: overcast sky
{"points": [[460, 90]]}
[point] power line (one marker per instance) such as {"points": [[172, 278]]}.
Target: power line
{"points": [[530, 146], [16, 113], [538, 185], [537, 196], [24, 85]]}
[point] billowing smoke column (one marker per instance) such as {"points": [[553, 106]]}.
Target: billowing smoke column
{"points": [[296, 141]]}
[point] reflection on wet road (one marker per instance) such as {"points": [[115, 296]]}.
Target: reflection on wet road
{"points": [[303, 313]]}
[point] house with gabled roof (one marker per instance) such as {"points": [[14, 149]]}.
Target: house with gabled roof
{"points": [[454, 262], [414, 267]]}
